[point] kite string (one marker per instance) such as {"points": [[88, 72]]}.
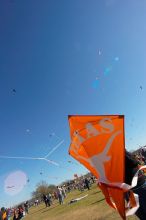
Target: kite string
{"points": [[61, 142], [25, 158], [36, 158]]}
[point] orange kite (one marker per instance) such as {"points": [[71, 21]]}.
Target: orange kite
{"points": [[98, 143]]}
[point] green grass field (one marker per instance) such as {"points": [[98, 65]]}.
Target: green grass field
{"points": [[93, 207]]}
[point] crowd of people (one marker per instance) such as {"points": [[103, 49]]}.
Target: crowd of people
{"points": [[59, 194], [14, 213], [140, 156], [49, 199], [5, 214], [61, 191], [133, 162]]}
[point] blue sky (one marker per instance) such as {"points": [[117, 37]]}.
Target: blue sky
{"points": [[62, 58]]}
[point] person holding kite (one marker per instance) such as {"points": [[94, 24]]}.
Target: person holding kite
{"points": [[131, 167]]}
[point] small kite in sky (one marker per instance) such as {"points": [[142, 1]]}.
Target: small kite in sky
{"points": [[14, 91], [51, 135], [141, 87], [69, 161]]}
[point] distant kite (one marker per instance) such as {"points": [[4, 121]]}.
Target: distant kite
{"points": [[14, 91], [51, 135], [69, 161], [141, 87]]}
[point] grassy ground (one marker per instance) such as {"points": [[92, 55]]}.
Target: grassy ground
{"points": [[93, 207]]}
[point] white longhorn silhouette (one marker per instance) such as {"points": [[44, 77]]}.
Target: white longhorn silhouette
{"points": [[97, 161]]}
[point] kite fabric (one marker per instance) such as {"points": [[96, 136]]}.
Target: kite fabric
{"points": [[98, 143]]}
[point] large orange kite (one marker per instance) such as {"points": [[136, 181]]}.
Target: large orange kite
{"points": [[98, 143]]}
